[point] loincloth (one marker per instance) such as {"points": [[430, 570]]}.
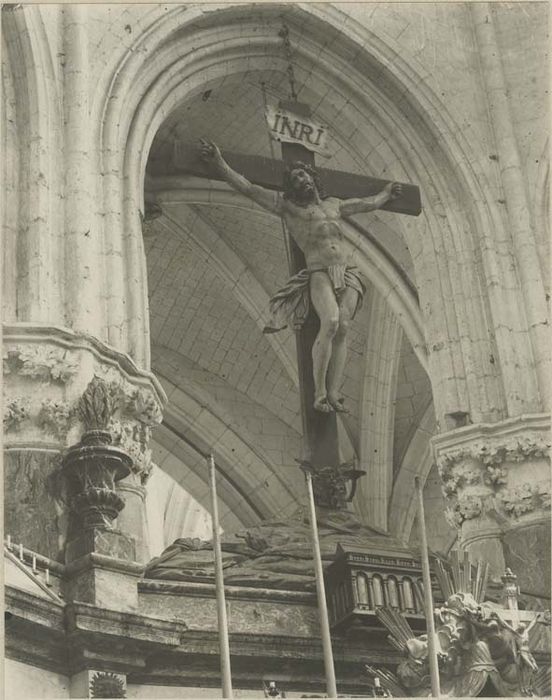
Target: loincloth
{"points": [[289, 307]]}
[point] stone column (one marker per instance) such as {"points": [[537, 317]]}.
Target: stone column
{"points": [[496, 478]]}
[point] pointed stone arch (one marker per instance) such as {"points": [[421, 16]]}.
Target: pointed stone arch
{"points": [[35, 232], [433, 148]]}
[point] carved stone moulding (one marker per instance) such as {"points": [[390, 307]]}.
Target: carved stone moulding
{"points": [[46, 371]]}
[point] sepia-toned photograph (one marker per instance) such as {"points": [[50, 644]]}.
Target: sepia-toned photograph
{"points": [[276, 350]]}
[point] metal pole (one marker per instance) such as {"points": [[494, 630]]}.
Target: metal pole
{"points": [[225, 669], [432, 650], [331, 687]]}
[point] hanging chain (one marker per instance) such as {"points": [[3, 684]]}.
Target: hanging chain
{"points": [[284, 35]]}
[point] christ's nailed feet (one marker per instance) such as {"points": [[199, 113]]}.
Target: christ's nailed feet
{"points": [[322, 404], [337, 403]]}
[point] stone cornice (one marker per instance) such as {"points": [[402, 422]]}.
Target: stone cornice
{"points": [[471, 437], [66, 338], [345, 650], [34, 609], [102, 561], [35, 631], [207, 590], [152, 650], [70, 638], [83, 618]]}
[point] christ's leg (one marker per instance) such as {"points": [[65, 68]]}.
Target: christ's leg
{"points": [[325, 305], [347, 305]]}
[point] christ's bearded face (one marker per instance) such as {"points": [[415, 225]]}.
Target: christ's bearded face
{"points": [[302, 184]]}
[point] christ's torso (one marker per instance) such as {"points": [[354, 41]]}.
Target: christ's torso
{"points": [[316, 229]]}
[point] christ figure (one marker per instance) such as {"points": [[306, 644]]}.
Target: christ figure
{"points": [[330, 282]]}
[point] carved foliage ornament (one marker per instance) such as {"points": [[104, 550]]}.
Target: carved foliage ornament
{"points": [[41, 362], [513, 502], [56, 417], [515, 449], [524, 499], [466, 508], [127, 413], [97, 405], [457, 469], [15, 412]]}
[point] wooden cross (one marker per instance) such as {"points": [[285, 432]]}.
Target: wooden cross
{"points": [[319, 429]]}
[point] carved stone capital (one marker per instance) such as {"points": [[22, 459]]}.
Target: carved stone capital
{"points": [[501, 470], [49, 400]]}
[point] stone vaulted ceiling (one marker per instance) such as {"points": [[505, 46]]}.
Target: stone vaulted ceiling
{"points": [[207, 342]]}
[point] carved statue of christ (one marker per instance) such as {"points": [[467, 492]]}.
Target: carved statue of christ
{"points": [[330, 282]]}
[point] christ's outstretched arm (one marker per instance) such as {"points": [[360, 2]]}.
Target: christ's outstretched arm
{"points": [[263, 197], [363, 204]]}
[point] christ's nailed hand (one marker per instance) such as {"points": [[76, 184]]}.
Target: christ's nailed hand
{"points": [[393, 190], [210, 152], [396, 190]]}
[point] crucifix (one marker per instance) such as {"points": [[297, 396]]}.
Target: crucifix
{"points": [[325, 289]]}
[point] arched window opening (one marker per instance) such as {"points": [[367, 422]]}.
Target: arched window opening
{"points": [[377, 591], [362, 589], [393, 592]]}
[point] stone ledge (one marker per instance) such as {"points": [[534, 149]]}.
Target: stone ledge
{"points": [[205, 589], [82, 618], [34, 610], [454, 439], [101, 561], [35, 631], [285, 646], [68, 638]]}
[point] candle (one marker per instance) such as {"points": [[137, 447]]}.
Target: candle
{"points": [[47, 572], [21, 552], [34, 563], [8, 541]]}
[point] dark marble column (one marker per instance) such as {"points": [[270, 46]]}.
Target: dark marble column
{"points": [[527, 553], [35, 506]]}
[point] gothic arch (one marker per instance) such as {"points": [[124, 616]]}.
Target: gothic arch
{"points": [[37, 227], [143, 93], [154, 107], [251, 484]]}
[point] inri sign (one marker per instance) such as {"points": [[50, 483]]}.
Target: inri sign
{"points": [[293, 128]]}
